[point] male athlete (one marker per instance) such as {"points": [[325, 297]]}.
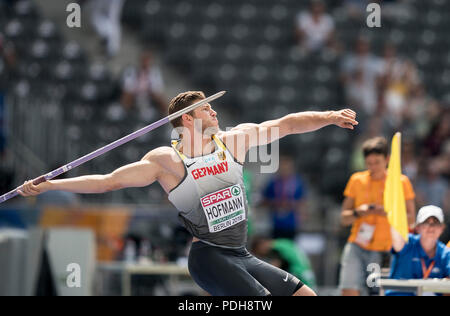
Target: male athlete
{"points": [[203, 179]]}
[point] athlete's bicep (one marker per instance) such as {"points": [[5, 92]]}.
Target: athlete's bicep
{"points": [[137, 174], [252, 134]]}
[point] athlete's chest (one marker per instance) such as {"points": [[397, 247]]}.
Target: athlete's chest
{"points": [[214, 164], [201, 170]]}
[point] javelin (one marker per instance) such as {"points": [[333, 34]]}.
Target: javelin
{"points": [[113, 145]]}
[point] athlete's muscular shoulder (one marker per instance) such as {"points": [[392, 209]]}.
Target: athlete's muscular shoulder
{"points": [[162, 155], [167, 159], [171, 169], [158, 152]]}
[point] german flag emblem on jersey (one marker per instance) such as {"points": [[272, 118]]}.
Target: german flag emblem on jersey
{"points": [[222, 155]]}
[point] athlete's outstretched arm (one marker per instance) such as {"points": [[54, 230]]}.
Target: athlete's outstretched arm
{"points": [[294, 123], [137, 174]]}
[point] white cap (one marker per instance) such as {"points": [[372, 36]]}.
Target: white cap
{"points": [[429, 211]]}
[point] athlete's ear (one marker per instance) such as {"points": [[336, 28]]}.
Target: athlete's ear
{"points": [[187, 118]]}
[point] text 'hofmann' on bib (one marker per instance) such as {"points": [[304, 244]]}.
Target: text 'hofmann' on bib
{"points": [[224, 208]]}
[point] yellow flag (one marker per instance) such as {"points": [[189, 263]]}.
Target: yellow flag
{"points": [[394, 197]]}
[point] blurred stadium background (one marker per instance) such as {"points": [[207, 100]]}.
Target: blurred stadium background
{"points": [[62, 96]]}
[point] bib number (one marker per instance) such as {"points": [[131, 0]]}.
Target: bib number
{"points": [[224, 208]]}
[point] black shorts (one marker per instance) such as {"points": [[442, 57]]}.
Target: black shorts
{"points": [[236, 272]]}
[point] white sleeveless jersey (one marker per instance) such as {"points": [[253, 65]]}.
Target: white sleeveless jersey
{"points": [[211, 198]]}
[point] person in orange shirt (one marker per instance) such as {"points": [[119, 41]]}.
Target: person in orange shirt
{"points": [[448, 245], [363, 209]]}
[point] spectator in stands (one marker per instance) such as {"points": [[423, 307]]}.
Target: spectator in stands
{"points": [[433, 180], [439, 134], [444, 158], [399, 80], [361, 74], [143, 87], [285, 196], [105, 17], [363, 209], [284, 254], [410, 164], [421, 112], [355, 8], [431, 187], [315, 28], [423, 256], [446, 235]]}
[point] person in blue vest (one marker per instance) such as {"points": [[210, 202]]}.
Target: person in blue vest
{"points": [[423, 256]]}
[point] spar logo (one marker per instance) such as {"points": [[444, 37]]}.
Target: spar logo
{"points": [[219, 196]]}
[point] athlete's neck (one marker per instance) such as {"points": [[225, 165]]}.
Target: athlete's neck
{"points": [[191, 147]]}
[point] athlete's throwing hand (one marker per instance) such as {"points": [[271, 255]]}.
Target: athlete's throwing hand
{"points": [[29, 189], [345, 118]]}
